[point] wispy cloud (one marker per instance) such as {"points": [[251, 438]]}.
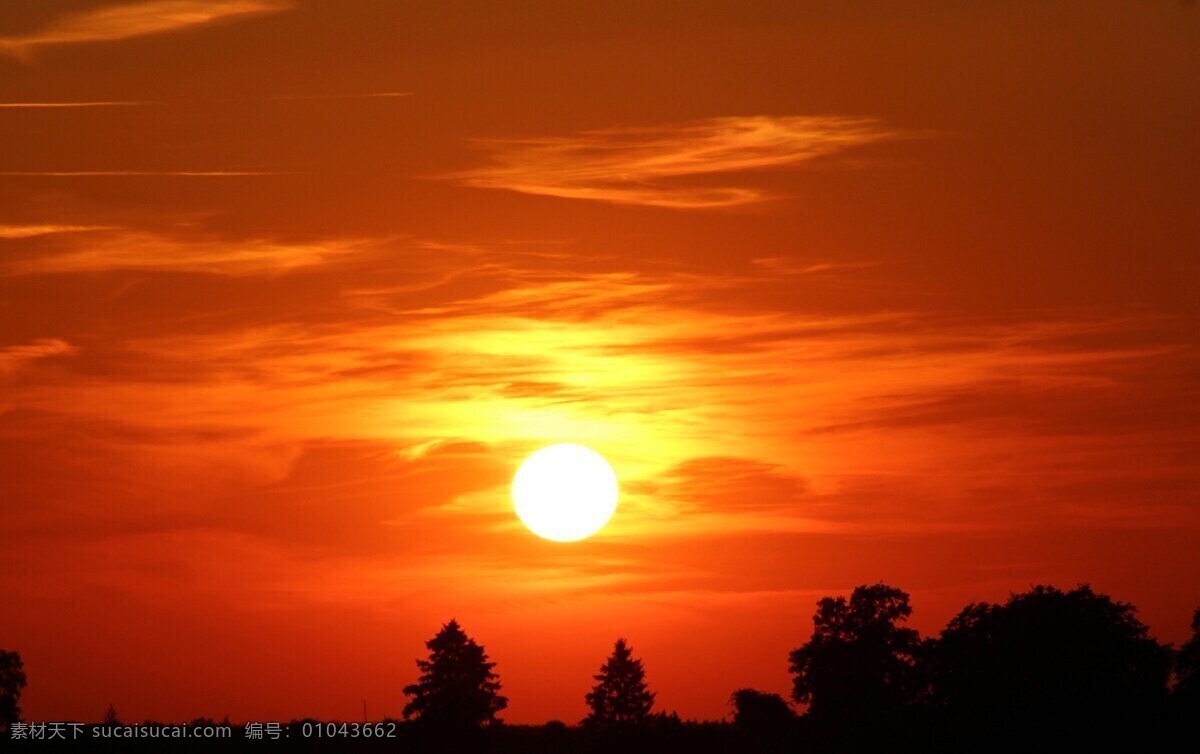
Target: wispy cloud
{"points": [[13, 358], [147, 251], [31, 231], [363, 95], [139, 103], [661, 371], [137, 19], [654, 369], [645, 165], [42, 105], [138, 173]]}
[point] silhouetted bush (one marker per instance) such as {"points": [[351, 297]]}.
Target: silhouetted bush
{"points": [[760, 711], [12, 683]]}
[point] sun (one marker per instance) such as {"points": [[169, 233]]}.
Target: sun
{"points": [[565, 492]]}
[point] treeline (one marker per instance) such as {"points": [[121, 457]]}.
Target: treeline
{"points": [[1046, 663], [1045, 668]]}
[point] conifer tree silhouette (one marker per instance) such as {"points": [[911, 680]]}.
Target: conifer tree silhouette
{"points": [[457, 688], [620, 697]]}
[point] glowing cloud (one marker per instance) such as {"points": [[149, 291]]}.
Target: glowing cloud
{"points": [[136, 173], [642, 165], [31, 231], [13, 358], [146, 251], [43, 105], [128, 20], [363, 95]]}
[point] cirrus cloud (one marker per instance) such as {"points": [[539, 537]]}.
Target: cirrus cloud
{"points": [[136, 250], [14, 357], [644, 166], [136, 19], [32, 231]]}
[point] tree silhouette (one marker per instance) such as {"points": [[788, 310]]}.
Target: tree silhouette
{"points": [[12, 682], [760, 711], [620, 697], [1069, 660], [457, 688], [1187, 670], [859, 664], [110, 717]]}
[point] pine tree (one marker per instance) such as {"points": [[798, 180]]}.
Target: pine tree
{"points": [[620, 696], [457, 687]]}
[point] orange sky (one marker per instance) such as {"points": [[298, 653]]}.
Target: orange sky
{"points": [[844, 291]]}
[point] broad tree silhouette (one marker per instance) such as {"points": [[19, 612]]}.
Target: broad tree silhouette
{"points": [[1187, 671], [1047, 659], [620, 697], [759, 711], [859, 663], [12, 682], [457, 688]]}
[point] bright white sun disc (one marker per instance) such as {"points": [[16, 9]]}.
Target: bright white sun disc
{"points": [[565, 492]]}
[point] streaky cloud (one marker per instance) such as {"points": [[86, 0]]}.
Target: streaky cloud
{"points": [[13, 358], [143, 103], [361, 95], [148, 251], [138, 173], [644, 166], [137, 19], [52, 105], [32, 231], [513, 355]]}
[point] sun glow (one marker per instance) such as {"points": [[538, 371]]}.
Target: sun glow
{"points": [[565, 492]]}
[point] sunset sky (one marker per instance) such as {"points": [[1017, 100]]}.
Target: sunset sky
{"points": [[844, 291]]}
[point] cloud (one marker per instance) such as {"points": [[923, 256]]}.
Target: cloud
{"points": [[137, 173], [13, 358], [37, 105], [643, 166], [148, 251], [877, 423], [137, 477], [364, 95], [740, 485], [32, 231], [137, 19], [136, 103]]}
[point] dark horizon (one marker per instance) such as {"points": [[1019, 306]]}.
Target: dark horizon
{"points": [[1077, 658]]}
